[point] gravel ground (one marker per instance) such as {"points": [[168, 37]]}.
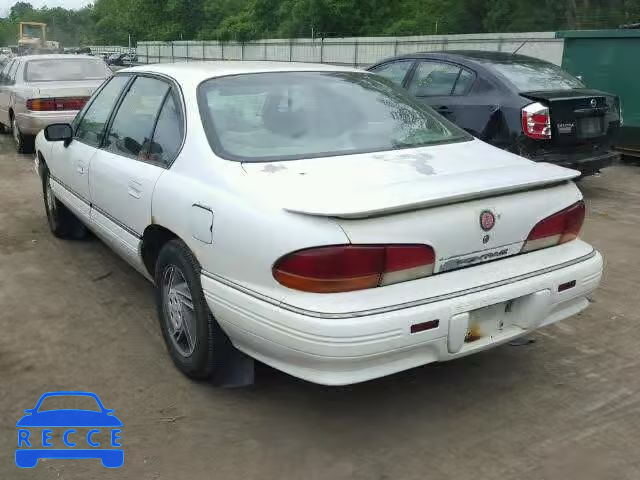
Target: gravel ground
{"points": [[75, 317]]}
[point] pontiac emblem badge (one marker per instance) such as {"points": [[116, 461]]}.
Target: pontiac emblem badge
{"points": [[487, 220]]}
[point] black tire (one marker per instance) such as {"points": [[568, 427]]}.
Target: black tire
{"points": [[62, 223], [212, 346], [24, 143]]}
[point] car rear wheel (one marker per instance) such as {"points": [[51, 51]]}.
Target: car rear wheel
{"points": [[197, 344], [62, 223], [24, 143]]}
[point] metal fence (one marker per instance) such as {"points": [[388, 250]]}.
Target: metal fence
{"points": [[358, 52], [102, 49]]}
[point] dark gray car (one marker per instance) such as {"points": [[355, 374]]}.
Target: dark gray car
{"points": [[518, 103]]}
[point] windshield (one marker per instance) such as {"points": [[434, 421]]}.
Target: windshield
{"points": [[33, 31], [66, 70], [537, 75], [294, 115]]}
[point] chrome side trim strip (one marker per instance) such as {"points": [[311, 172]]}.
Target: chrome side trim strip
{"points": [[70, 190], [392, 308], [112, 219]]}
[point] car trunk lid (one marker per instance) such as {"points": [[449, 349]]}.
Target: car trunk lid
{"points": [[580, 115], [79, 88], [374, 184], [435, 196]]}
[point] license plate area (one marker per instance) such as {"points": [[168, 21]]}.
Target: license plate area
{"points": [[590, 127], [489, 321]]}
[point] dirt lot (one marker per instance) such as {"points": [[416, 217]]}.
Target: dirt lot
{"points": [[75, 317]]}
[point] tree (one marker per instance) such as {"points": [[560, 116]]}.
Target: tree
{"points": [[112, 21], [21, 11]]}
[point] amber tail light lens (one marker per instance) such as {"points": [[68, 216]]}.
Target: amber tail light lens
{"points": [[561, 227], [56, 104], [344, 268]]}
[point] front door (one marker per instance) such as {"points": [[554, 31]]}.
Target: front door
{"points": [[69, 164]]}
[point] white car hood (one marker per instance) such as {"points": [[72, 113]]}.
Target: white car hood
{"points": [[363, 185]]}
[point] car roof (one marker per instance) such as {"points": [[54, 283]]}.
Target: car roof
{"points": [[199, 71], [478, 55]]}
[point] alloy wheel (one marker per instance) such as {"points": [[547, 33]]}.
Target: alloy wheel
{"points": [[179, 314], [16, 133]]}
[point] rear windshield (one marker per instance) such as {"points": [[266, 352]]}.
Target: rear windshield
{"points": [[536, 76], [65, 70], [294, 115]]}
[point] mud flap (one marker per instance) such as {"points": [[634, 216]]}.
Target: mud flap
{"points": [[238, 371]]}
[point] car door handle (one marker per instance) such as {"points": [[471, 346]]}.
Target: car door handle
{"points": [[444, 109], [134, 189]]}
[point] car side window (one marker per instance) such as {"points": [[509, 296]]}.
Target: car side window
{"points": [[4, 75], [91, 128], [80, 115], [434, 79], [394, 71], [167, 137], [132, 127], [464, 83], [12, 71]]}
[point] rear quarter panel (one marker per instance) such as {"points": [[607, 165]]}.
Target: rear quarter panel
{"points": [[249, 232]]}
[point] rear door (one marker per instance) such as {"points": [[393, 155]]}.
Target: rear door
{"points": [[125, 170], [433, 82]]}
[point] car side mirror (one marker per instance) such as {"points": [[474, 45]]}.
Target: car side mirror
{"points": [[59, 132]]}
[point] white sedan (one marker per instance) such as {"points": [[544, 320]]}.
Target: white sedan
{"points": [[315, 218]]}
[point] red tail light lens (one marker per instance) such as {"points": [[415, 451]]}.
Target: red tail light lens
{"points": [[56, 104], [561, 227], [536, 121], [344, 268]]}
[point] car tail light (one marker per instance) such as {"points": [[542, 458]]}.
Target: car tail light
{"points": [[56, 104], [561, 227], [344, 268], [536, 121]]}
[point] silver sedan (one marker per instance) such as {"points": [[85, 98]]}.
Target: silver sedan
{"points": [[38, 90]]}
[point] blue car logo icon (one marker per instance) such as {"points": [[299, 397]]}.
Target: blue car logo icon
{"points": [[34, 444]]}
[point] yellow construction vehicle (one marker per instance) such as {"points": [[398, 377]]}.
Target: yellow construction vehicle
{"points": [[33, 36]]}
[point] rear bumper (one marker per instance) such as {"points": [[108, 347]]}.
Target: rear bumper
{"points": [[588, 165], [339, 351], [32, 122]]}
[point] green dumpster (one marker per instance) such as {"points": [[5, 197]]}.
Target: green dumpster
{"points": [[609, 60]]}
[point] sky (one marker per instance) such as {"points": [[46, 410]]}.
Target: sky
{"points": [[5, 5]]}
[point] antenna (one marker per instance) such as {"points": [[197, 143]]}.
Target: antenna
{"points": [[518, 49]]}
